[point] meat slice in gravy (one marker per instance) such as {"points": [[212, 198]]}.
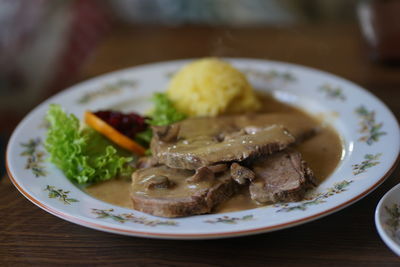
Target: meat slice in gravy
{"points": [[207, 150], [198, 142], [281, 177], [146, 162], [298, 124], [167, 192], [199, 163], [166, 133], [241, 174]]}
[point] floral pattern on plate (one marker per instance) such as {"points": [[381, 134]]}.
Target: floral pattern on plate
{"points": [[332, 92], [60, 194], [371, 129], [318, 199], [107, 90], [34, 156], [370, 160], [130, 217], [230, 220], [393, 223]]}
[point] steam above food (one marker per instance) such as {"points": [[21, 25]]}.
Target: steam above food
{"points": [[210, 87]]}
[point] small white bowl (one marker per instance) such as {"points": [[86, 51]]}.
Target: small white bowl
{"points": [[385, 219]]}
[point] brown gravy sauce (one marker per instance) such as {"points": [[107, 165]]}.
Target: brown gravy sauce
{"points": [[322, 152]]}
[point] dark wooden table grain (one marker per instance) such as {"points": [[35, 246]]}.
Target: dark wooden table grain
{"points": [[30, 236]]}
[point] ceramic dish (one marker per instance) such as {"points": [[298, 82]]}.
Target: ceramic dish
{"points": [[387, 219], [368, 129]]}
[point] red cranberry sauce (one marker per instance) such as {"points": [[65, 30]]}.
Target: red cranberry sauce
{"points": [[128, 124]]}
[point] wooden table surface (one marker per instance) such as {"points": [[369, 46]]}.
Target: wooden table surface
{"points": [[30, 236]]}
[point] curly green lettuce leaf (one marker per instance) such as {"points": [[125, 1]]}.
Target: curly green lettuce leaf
{"points": [[81, 153], [164, 112], [144, 138]]}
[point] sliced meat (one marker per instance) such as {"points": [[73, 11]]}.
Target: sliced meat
{"points": [[183, 198], [198, 152], [281, 177], [241, 174], [158, 182], [201, 142], [167, 133], [146, 162], [202, 174], [218, 167], [298, 125], [207, 173]]}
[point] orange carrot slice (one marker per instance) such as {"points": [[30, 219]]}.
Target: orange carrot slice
{"points": [[108, 131]]}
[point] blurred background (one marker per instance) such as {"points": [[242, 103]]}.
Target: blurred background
{"points": [[48, 45]]}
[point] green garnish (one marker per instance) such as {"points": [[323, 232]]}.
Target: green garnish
{"points": [[144, 138], [84, 155], [163, 113]]}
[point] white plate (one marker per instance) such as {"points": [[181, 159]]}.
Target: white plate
{"points": [[387, 219], [357, 115]]}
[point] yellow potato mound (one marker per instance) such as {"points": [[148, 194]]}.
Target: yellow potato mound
{"points": [[208, 87]]}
